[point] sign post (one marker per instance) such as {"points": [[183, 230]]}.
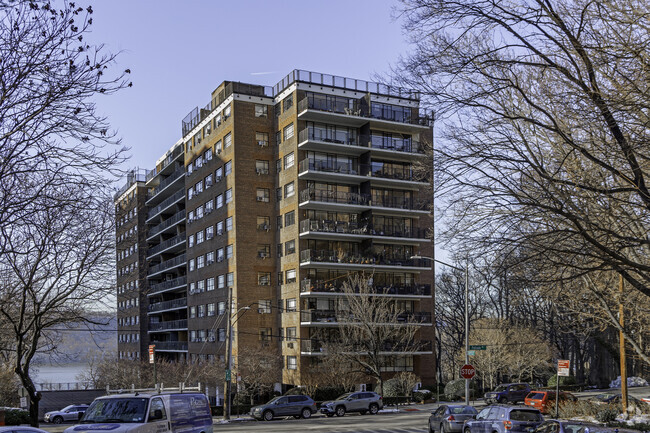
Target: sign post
{"points": [[563, 367], [152, 360]]}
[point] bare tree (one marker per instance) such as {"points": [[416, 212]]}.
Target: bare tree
{"points": [[371, 330], [259, 368]]}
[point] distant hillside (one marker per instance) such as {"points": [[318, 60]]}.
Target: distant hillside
{"points": [[80, 342]]}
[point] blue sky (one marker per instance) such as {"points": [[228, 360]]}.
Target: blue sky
{"points": [[179, 51]]}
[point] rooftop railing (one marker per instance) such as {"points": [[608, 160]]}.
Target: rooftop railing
{"points": [[135, 175], [344, 83]]}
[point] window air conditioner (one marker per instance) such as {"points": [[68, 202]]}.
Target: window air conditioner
{"points": [[290, 345]]}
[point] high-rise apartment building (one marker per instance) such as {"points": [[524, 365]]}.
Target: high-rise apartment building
{"points": [[287, 191]]}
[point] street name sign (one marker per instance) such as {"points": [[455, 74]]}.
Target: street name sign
{"points": [[478, 347]]}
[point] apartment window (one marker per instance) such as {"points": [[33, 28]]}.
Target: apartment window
{"points": [[200, 311], [221, 282], [261, 167], [209, 232], [288, 102], [208, 181], [289, 190], [290, 247], [264, 306], [291, 363], [278, 222], [208, 154], [228, 224], [288, 160], [281, 334], [263, 223], [220, 255], [219, 200], [199, 237], [209, 258], [265, 334], [191, 264], [263, 251], [221, 334], [190, 193], [278, 137], [192, 288], [209, 205], [229, 195], [279, 249], [228, 168], [278, 194], [217, 147], [198, 162], [288, 132], [219, 228], [263, 195], [227, 140], [200, 286], [262, 139], [278, 109], [291, 334], [189, 169], [218, 174], [198, 188], [226, 112], [221, 308], [290, 218], [261, 110], [291, 305], [211, 310], [230, 279], [280, 278], [190, 241], [199, 212], [209, 284], [192, 312], [229, 251], [264, 278], [291, 276], [200, 262], [278, 165], [217, 120]]}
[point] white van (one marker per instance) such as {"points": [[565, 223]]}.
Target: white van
{"points": [[172, 412]]}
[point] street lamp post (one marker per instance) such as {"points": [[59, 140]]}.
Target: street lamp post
{"points": [[466, 311], [228, 379]]}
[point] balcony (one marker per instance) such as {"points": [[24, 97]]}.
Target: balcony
{"points": [[329, 171], [178, 150], [167, 264], [174, 304], [176, 283], [312, 287], [328, 199], [170, 346], [328, 229], [169, 222], [171, 325], [178, 196], [166, 182], [335, 317], [317, 347], [350, 260], [167, 245]]}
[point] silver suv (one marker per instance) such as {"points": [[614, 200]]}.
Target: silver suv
{"points": [[68, 413], [361, 402]]}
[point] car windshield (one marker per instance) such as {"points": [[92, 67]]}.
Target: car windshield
{"points": [[457, 410], [500, 388], [574, 428], [273, 400], [525, 415], [604, 397], [536, 395], [344, 396], [116, 410]]}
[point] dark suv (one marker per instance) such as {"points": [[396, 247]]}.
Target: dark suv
{"points": [[361, 402], [286, 405], [508, 393], [504, 419]]}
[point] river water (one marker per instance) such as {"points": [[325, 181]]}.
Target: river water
{"points": [[60, 373]]}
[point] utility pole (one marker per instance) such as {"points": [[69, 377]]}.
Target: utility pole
{"points": [[621, 321], [228, 381]]}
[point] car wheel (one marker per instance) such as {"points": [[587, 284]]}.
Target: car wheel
{"points": [[306, 413], [57, 420], [467, 430], [374, 408], [340, 411], [268, 415], [442, 428]]}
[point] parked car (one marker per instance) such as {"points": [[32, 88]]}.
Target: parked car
{"points": [[571, 426], [450, 418], [68, 413], [544, 401], [504, 419], [508, 393], [615, 399], [286, 405], [361, 402], [646, 399]]}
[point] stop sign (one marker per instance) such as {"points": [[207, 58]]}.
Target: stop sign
{"points": [[467, 371]]}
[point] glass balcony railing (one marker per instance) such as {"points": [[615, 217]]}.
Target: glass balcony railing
{"points": [[329, 167], [320, 286], [335, 197], [168, 305], [399, 203], [345, 257], [171, 263], [365, 141], [169, 284], [170, 345], [335, 316], [324, 136], [171, 324], [178, 217], [346, 227]]}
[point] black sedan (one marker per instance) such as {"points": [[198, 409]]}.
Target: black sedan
{"points": [[449, 418]]}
